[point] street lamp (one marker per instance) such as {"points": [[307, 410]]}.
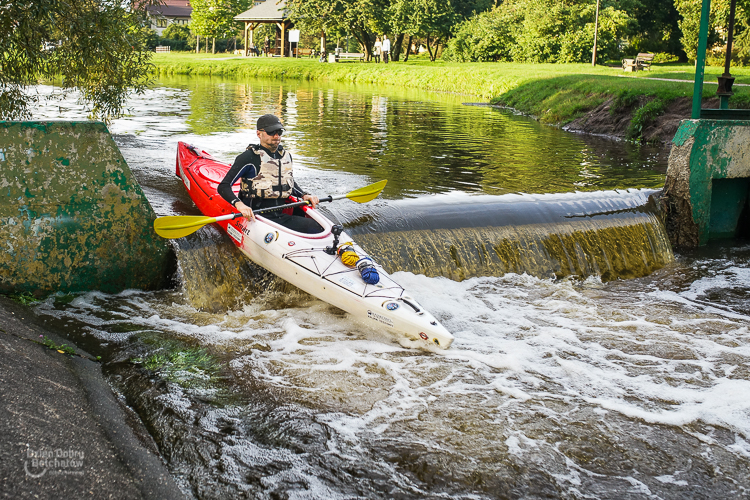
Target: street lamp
{"points": [[596, 30]]}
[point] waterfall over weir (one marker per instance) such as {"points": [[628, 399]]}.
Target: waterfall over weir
{"points": [[610, 234]]}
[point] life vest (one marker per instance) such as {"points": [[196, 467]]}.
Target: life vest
{"points": [[274, 178]]}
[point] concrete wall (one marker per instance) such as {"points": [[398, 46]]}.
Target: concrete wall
{"points": [[706, 190], [72, 216]]}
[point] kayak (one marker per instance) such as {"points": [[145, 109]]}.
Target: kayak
{"points": [[311, 261]]}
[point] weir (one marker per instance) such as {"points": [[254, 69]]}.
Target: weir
{"points": [[615, 235]]}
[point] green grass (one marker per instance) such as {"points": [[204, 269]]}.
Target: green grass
{"points": [[24, 298], [177, 362], [554, 93], [63, 348]]}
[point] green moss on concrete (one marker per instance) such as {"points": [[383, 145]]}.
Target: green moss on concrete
{"points": [[74, 217], [709, 168]]}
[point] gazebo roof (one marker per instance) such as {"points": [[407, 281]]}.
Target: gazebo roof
{"points": [[268, 10]]}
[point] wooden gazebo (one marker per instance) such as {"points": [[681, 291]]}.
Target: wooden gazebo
{"points": [[267, 12]]}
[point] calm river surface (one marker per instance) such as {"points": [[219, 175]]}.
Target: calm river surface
{"points": [[554, 388]]}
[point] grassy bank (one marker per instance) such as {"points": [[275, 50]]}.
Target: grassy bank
{"points": [[554, 93]]}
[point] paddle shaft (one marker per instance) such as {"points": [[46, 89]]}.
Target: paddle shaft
{"points": [[177, 226], [280, 207]]}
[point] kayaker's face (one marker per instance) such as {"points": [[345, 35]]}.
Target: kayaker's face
{"points": [[269, 141]]}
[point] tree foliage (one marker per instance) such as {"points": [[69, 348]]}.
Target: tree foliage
{"points": [[215, 18], [540, 31], [690, 10], [486, 37], [363, 19], [177, 32], [98, 47], [658, 29], [431, 19]]}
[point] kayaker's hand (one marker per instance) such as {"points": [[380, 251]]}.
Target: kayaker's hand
{"points": [[312, 199], [246, 211]]}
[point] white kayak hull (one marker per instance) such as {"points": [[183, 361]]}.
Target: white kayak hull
{"points": [[301, 260]]}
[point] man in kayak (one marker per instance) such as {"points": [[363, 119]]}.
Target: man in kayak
{"points": [[266, 180]]}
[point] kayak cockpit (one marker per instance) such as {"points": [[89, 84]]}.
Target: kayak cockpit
{"points": [[311, 213]]}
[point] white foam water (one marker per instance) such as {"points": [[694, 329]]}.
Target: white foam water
{"points": [[553, 376]]}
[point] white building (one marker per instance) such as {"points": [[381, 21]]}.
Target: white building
{"points": [[169, 12]]}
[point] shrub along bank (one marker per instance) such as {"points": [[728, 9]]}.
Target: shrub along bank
{"points": [[556, 94]]}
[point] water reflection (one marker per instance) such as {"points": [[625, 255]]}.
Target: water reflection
{"points": [[421, 146]]}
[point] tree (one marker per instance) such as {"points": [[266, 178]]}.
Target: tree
{"points": [[215, 18], [486, 37], [540, 31], [718, 22], [467, 9], [363, 19], [44, 40], [658, 27], [435, 20], [431, 19]]}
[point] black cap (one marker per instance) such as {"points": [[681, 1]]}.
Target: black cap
{"points": [[269, 123]]}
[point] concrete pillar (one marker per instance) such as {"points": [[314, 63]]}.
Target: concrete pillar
{"points": [[708, 178], [72, 216]]}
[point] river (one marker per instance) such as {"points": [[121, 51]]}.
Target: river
{"points": [[584, 381]]}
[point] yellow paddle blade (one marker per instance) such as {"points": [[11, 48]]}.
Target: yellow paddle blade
{"points": [[367, 193], [177, 226]]}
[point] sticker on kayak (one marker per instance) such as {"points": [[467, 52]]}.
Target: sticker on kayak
{"points": [[232, 231], [184, 178], [291, 243], [391, 306], [380, 318], [242, 226], [269, 238], [424, 336], [346, 282]]}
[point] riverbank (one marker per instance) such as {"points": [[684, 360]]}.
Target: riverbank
{"points": [[63, 433], [599, 100]]}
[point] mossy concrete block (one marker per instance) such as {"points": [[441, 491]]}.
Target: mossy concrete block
{"points": [[707, 180], [72, 216]]}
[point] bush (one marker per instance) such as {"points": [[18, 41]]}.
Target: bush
{"points": [[177, 32], [663, 57], [152, 39], [485, 37], [176, 44]]}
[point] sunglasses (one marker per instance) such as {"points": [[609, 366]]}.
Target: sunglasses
{"points": [[275, 132]]}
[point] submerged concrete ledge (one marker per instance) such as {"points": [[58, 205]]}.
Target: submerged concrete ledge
{"points": [[708, 179], [72, 215]]}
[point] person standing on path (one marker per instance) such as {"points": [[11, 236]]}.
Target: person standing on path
{"points": [[267, 46], [386, 48], [377, 50]]}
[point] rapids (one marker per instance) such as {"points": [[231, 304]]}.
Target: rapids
{"points": [[560, 383]]}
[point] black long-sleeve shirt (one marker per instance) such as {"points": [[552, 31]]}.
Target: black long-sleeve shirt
{"points": [[247, 165]]}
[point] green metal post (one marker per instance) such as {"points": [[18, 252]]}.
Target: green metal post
{"points": [[700, 60]]}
